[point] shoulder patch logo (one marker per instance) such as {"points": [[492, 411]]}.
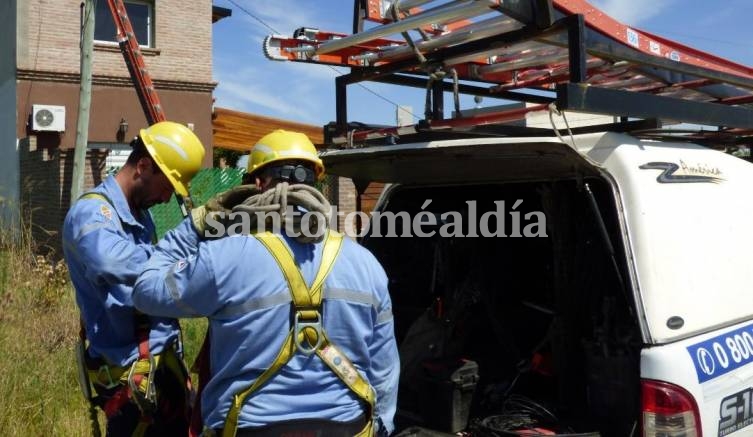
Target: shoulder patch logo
{"points": [[106, 212]]}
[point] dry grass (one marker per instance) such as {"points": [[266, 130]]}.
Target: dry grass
{"points": [[39, 392]]}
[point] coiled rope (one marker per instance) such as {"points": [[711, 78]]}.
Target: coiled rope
{"points": [[291, 204]]}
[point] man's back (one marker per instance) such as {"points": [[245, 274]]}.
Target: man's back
{"points": [[237, 283], [268, 351]]}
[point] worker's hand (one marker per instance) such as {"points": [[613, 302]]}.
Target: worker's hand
{"points": [[199, 219], [212, 219]]}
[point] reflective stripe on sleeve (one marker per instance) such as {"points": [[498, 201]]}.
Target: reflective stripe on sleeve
{"points": [[384, 316], [172, 287], [278, 298], [283, 297], [350, 296], [93, 227]]}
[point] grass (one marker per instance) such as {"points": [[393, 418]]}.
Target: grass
{"points": [[39, 392]]}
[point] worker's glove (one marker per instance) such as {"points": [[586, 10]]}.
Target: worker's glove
{"points": [[212, 219], [199, 217], [232, 197]]}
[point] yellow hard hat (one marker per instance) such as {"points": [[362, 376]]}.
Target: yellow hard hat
{"points": [[282, 145], [177, 151]]}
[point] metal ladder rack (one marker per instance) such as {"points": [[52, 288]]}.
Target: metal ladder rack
{"points": [[582, 59]]}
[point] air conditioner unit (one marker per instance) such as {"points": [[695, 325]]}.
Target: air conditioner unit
{"points": [[48, 118]]}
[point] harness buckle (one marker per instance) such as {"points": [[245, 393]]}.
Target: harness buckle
{"points": [[299, 328]]}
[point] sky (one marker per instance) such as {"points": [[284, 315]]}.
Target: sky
{"points": [[302, 92]]}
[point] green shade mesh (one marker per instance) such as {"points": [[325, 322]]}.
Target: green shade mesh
{"points": [[204, 185]]}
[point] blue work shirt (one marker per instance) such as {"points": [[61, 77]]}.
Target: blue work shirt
{"points": [[106, 247], [237, 284]]}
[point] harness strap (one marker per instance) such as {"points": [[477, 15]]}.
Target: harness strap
{"points": [[118, 400], [302, 297], [141, 381], [286, 353], [95, 195], [307, 327], [104, 198]]}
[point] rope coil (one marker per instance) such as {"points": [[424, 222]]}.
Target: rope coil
{"points": [[280, 201]]}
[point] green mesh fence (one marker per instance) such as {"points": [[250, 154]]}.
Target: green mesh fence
{"points": [[204, 185]]}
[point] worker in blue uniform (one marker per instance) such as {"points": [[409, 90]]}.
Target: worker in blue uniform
{"points": [[300, 323], [134, 362]]}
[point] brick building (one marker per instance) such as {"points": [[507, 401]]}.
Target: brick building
{"points": [[39, 42]]}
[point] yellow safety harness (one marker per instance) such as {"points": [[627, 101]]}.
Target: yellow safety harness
{"points": [[307, 333]]}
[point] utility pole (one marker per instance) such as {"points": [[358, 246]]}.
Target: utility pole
{"points": [[79, 164], [84, 101]]}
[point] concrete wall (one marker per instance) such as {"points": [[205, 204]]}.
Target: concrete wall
{"points": [[9, 164]]}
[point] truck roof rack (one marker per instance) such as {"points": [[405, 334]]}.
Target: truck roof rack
{"points": [[557, 55]]}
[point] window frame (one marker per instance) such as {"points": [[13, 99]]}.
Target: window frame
{"points": [[150, 28]]}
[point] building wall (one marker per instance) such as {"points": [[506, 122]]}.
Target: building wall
{"points": [[180, 65], [348, 202], [48, 62], [45, 190], [109, 105], [8, 149], [49, 40]]}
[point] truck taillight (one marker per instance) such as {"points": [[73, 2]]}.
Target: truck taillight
{"points": [[668, 411]]}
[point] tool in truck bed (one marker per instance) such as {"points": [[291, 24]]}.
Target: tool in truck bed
{"points": [[575, 57]]}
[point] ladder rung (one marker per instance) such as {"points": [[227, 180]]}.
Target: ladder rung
{"points": [[442, 13], [530, 61], [473, 32]]}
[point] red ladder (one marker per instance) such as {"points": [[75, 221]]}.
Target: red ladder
{"points": [[134, 60], [586, 60]]}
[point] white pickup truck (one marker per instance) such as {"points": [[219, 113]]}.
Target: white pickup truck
{"points": [[612, 294]]}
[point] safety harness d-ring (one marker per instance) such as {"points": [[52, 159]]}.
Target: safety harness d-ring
{"points": [[300, 332]]}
